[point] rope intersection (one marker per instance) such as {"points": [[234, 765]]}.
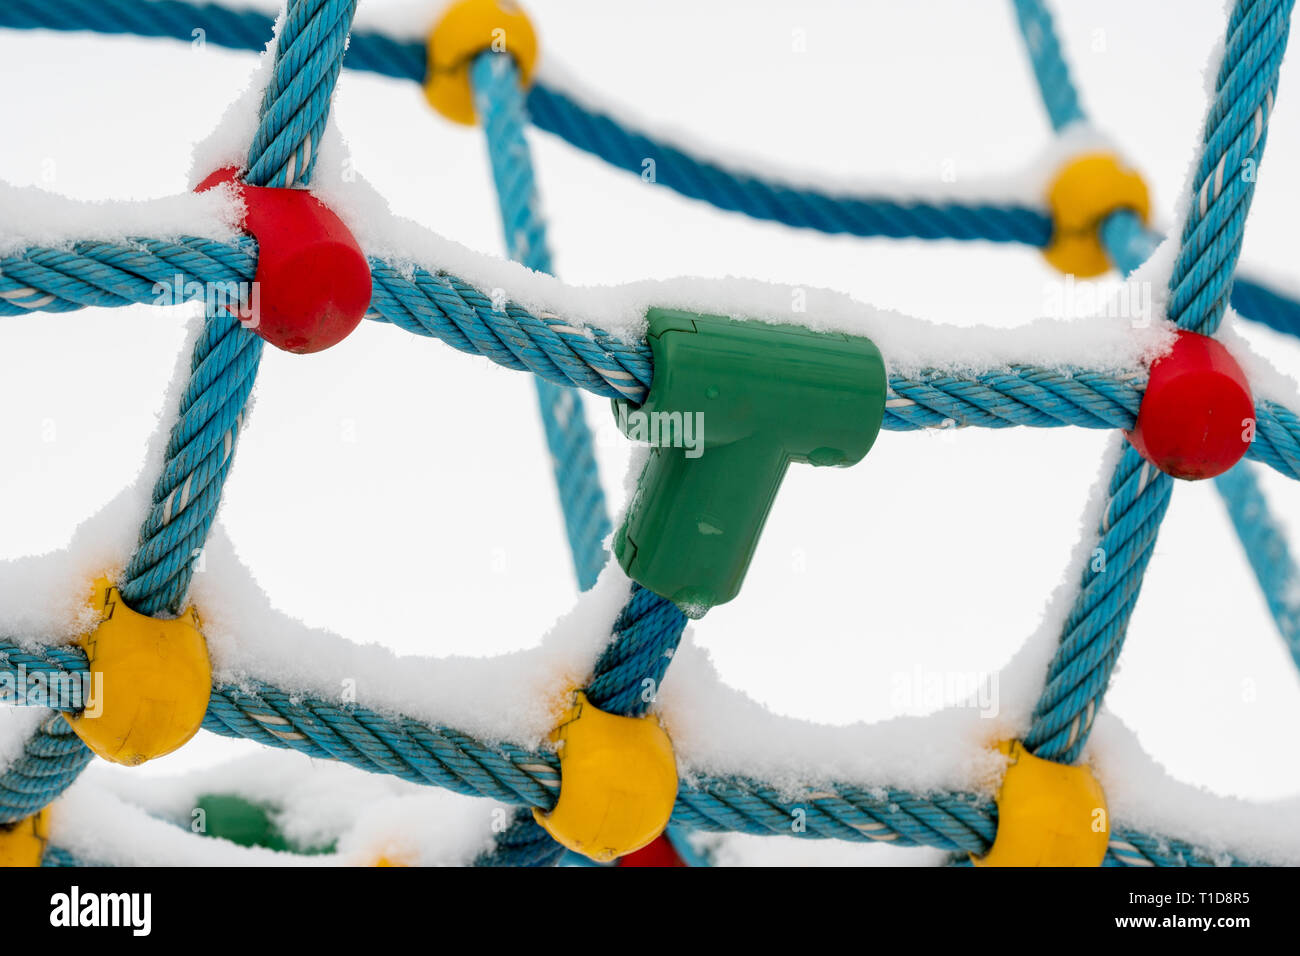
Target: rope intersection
{"points": [[566, 355]]}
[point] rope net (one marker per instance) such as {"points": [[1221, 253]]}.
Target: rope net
{"points": [[312, 38]]}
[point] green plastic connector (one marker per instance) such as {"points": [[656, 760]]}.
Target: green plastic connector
{"points": [[247, 823], [732, 403]]}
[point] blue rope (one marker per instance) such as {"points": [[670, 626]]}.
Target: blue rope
{"points": [[226, 357], [449, 308], [438, 756], [630, 671], [1128, 242], [222, 369], [627, 149], [1094, 631], [647, 633], [625, 680], [58, 857], [585, 129], [687, 853], [522, 843], [52, 758], [760, 198], [1257, 302], [602, 135], [296, 102], [499, 101], [1236, 130], [1264, 541], [1050, 68]]}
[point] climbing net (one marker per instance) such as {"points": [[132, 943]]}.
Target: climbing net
{"points": [[609, 751]]}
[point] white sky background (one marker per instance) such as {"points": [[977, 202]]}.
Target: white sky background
{"points": [[395, 490]]}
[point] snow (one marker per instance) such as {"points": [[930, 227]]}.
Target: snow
{"points": [[716, 730], [37, 217], [1111, 342], [1022, 186], [400, 19], [96, 826], [312, 803], [434, 533]]}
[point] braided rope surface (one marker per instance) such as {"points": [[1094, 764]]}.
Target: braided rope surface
{"points": [[1052, 72], [499, 101], [295, 106], [560, 114], [1263, 539], [52, 758], [450, 309], [1094, 630], [1236, 130], [308, 62], [223, 367], [620, 145], [1138, 495], [438, 756]]}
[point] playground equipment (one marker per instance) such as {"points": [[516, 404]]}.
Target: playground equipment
{"points": [[609, 787]]}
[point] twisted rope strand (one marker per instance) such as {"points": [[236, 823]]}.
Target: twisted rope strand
{"points": [[307, 64], [52, 758], [562, 115], [558, 113], [1264, 541], [1224, 183], [225, 359], [226, 356], [450, 309], [443, 757], [499, 101], [1097, 624], [1051, 71]]}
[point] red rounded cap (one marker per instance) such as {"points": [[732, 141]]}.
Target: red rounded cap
{"points": [[1197, 417], [312, 285], [658, 852]]}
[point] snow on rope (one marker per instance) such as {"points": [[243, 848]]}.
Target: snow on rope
{"points": [[567, 349]]}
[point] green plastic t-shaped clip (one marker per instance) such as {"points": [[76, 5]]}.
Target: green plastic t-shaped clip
{"points": [[732, 403]]}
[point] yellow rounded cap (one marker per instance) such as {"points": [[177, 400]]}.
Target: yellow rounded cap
{"points": [[1087, 190], [468, 28], [23, 843], [618, 782], [151, 680], [1049, 814]]}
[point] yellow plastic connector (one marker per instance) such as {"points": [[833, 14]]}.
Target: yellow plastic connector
{"points": [[618, 782], [152, 680], [1049, 814], [468, 28], [1087, 190], [23, 843]]}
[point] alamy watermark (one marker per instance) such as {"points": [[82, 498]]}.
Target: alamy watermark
{"points": [[920, 689], [243, 300], [75, 908], [663, 429], [59, 690], [1071, 299]]}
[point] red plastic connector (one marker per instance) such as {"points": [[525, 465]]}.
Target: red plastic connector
{"points": [[1197, 417], [658, 852], [313, 281]]}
